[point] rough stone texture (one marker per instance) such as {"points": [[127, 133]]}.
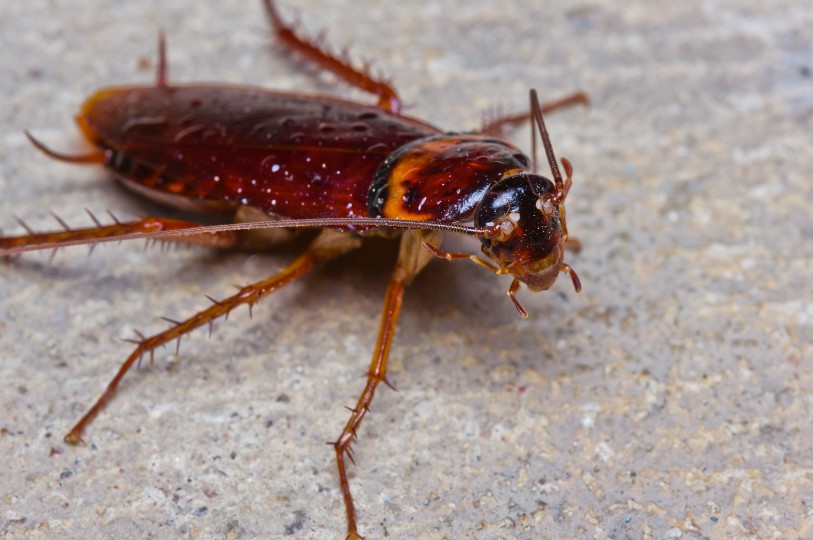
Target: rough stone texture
{"points": [[670, 399]]}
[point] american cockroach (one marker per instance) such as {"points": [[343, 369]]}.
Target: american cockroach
{"points": [[276, 162]]}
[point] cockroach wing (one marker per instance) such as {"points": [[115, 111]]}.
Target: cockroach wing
{"points": [[219, 147]]}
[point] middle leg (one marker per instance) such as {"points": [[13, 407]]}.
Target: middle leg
{"points": [[327, 245], [412, 257], [496, 126]]}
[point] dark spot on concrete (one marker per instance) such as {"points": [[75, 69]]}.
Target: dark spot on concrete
{"points": [[297, 524], [234, 529]]}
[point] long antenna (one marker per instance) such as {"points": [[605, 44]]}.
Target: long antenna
{"points": [[536, 115], [13, 245]]}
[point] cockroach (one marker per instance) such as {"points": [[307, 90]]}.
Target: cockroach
{"points": [[278, 162]]}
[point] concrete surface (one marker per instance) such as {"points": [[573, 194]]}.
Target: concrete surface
{"points": [[670, 399]]}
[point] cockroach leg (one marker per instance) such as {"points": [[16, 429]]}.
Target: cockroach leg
{"points": [[573, 244], [327, 245], [497, 126], [161, 71], [387, 96], [34, 241], [97, 157], [376, 375], [512, 290], [512, 294], [411, 259], [577, 283], [440, 254]]}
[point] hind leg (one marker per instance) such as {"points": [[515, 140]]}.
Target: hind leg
{"points": [[119, 230], [340, 66]]}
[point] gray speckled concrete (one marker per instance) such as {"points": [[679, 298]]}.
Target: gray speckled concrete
{"points": [[671, 399]]}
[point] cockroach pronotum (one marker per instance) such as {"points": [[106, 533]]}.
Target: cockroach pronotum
{"points": [[283, 161]]}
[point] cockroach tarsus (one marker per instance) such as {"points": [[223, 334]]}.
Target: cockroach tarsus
{"points": [[280, 162]]}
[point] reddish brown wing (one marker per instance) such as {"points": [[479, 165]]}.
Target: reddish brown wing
{"points": [[222, 146]]}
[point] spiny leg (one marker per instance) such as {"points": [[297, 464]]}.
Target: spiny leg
{"points": [[327, 245], [33, 241], [375, 375], [411, 259], [340, 66], [161, 71], [496, 126]]}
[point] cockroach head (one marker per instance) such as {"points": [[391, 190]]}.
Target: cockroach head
{"points": [[526, 237]]}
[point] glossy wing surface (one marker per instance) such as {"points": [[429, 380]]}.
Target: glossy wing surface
{"points": [[291, 155]]}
